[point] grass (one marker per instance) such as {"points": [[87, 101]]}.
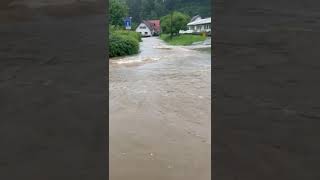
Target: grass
{"points": [[183, 40]]}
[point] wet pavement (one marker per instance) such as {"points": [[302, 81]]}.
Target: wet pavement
{"points": [[160, 113]]}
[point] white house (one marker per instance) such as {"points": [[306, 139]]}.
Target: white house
{"points": [[195, 18], [198, 26], [149, 28]]}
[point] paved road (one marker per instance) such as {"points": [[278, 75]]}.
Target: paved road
{"points": [[160, 114]]}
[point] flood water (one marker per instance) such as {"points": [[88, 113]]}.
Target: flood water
{"points": [[160, 113]]}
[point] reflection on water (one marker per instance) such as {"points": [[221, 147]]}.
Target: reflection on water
{"points": [[160, 113]]}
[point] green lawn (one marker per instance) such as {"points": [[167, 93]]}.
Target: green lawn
{"points": [[183, 40]]}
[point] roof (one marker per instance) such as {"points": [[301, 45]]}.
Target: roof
{"points": [[200, 21], [152, 24], [155, 24], [194, 18]]}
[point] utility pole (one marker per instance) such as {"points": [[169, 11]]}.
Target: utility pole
{"points": [[171, 33], [169, 6]]}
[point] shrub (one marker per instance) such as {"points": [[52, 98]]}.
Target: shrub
{"points": [[133, 34], [121, 45]]}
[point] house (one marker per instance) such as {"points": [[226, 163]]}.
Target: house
{"points": [[195, 18], [149, 28], [197, 25]]}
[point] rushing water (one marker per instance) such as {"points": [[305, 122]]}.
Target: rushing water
{"points": [[160, 108]]}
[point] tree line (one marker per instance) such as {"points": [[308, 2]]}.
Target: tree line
{"points": [[173, 14], [155, 9]]}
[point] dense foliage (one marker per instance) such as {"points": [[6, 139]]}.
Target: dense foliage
{"points": [[117, 11], [179, 22], [123, 42], [154, 9]]}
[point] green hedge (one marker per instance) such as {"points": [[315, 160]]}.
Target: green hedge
{"points": [[133, 34], [121, 44]]}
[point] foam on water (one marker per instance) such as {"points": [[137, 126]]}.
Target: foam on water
{"points": [[135, 60]]}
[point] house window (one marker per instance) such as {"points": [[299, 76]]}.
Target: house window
{"points": [[142, 27], [145, 33]]}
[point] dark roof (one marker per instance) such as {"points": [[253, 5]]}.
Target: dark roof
{"points": [[147, 24], [152, 24], [155, 24]]}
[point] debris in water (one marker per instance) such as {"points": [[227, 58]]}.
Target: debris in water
{"points": [[162, 47]]}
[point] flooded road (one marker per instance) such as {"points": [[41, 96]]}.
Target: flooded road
{"points": [[160, 109]]}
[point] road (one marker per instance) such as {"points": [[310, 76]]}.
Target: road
{"points": [[160, 109]]}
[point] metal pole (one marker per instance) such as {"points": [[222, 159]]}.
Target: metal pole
{"points": [[171, 33]]}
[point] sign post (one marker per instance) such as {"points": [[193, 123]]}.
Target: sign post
{"points": [[127, 23]]}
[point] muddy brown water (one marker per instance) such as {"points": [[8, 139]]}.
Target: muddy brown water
{"points": [[160, 109]]}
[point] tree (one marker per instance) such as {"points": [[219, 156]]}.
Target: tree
{"points": [[170, 6], [154, 9], [160, 8], [134, 10], [117, 11], [174, 22]]}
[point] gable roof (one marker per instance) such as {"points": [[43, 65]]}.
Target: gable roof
{"points": [[152, 25], [200, 21], [155, 24], [147, 24], [194, 18]]}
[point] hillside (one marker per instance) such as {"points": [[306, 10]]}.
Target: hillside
{"points": [[154, 9]]}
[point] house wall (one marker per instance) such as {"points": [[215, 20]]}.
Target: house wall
{"points": [[200, 27], [143, 30]]}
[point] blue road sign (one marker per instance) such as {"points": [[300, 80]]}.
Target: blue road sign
{"points": [[127, 22]]}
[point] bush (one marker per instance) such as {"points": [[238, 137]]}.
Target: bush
{"points": [[133, 34], [121, 45]]}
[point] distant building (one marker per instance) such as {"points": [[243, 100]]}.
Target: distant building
{"points": [[149, 28], [197, 25], [195, 18]]}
